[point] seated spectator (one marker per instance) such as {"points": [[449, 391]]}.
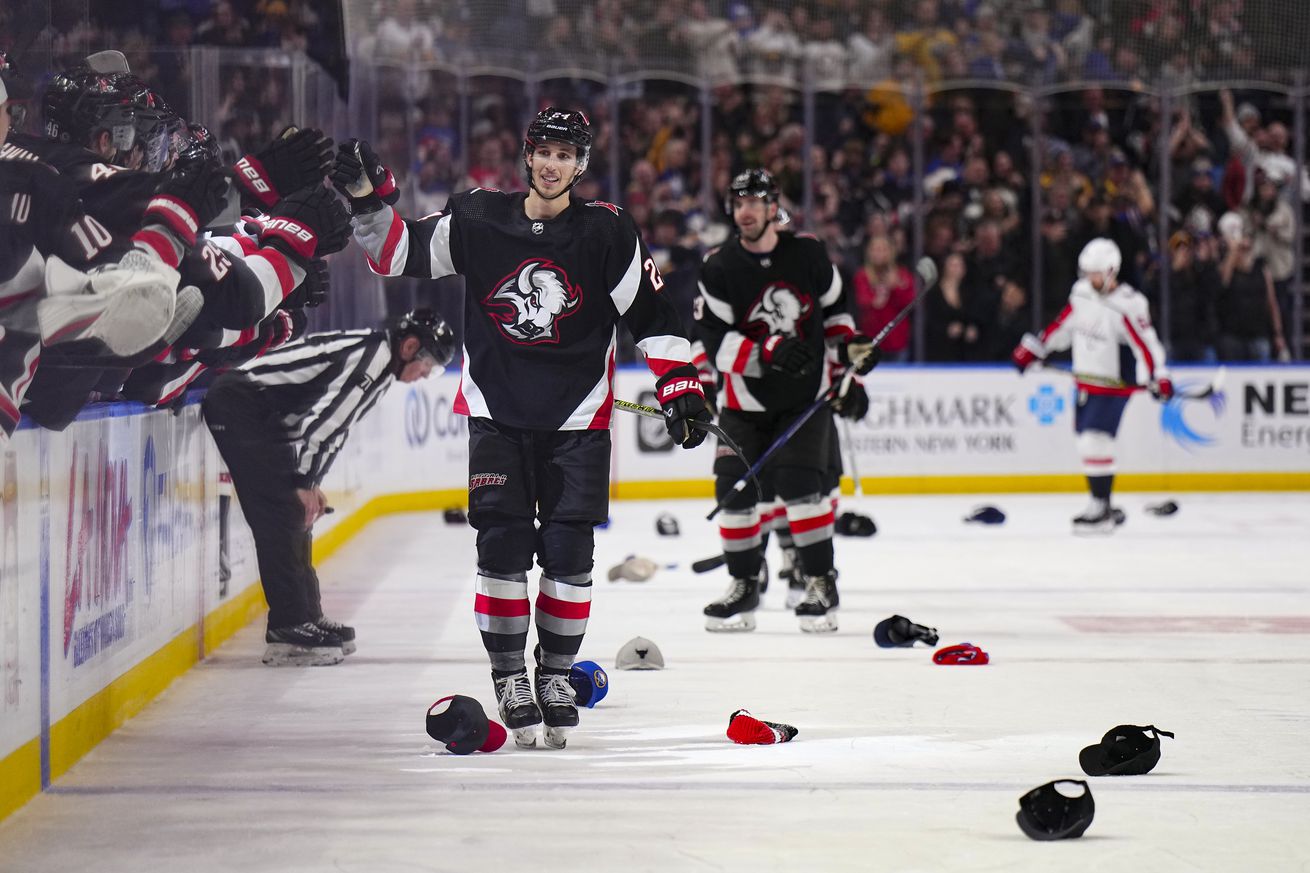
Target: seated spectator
{"points": [[223, 28], [1200, 195], [1011, 320], [882, 289], [950, 326], [872, 50], [1250, 324]]}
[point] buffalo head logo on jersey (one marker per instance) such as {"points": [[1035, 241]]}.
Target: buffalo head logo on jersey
{"points": [[529, 303], [779, 309]]}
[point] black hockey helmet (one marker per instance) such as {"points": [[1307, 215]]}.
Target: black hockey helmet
{"points": [[194, 142], [751, 183], [14, 89], [560, 125], [157, 125], [80, 103], [435, 336]]}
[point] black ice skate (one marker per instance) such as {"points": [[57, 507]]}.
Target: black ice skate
{"points": [[1097, 519], [345, 631], [791, 572], [735, 610], [302, 645], [517, 709], [818, 610], [558, 710]]}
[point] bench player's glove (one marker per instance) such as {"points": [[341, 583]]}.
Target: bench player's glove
{"points": [[682, 400], [295, 160], [859, 353], [852, 405], [311, 223], [189, 199], [788, 354], [312, 290], [1162, 389], [1029, 351]]}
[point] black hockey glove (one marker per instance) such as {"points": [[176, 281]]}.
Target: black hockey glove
{"points": [[682, 399], [859, 353], [362, 179], [854, 405], [189, 199], [295, 160], [311, 223], [788, 354], [312, 290]]}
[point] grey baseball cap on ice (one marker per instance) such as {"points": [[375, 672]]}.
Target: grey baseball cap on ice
{"points": [[639, 653]]}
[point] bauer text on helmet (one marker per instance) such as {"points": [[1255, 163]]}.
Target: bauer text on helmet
{"points": [[556, 150]]}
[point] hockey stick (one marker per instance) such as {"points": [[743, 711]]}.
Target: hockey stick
{"points": [[1215, 387], [845, 443], [708, 426], [927, 273], [705, 565]]}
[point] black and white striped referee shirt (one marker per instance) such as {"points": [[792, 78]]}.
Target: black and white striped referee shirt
{"points": [[320, 386]]}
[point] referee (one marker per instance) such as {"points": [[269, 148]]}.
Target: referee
{"points": [[279, 422]]}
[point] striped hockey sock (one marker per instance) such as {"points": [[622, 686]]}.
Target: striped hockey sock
{"points": [[811, 523], [503, 613], [563, 606]]}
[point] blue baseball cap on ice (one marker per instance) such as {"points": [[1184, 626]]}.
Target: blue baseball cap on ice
{"points": [[590, 683]]}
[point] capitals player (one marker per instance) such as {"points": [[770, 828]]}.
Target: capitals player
{"points": [[548, 277], [1115, 353], [771, 308]]}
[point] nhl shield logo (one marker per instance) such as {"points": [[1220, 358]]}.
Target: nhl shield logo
{"points": [[779, 309], [538, 227], [528, 304]]}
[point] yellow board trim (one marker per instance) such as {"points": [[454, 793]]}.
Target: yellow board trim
{"points": [[20, 774], [1001, 484]]}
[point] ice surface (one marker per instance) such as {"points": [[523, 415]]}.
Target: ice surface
{"points": [[1198, 623]]}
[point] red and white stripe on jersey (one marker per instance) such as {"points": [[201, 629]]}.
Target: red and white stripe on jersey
{"points": [[738, 396], [277, 274], [11, 396], [664, 353], [593, 413], [173, 388], [739, 529], [838, 327], [154, 239], [176, 215], [468, 397], [27, 283], [1143, 353], [563, 608], [738, 354]]}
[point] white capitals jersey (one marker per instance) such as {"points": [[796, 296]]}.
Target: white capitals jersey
{"points": [[1115, 347]]}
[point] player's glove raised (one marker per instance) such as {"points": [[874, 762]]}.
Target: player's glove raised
{"points": [[189, 199], [1162, 389], [312, 290], [854, 404], [362, 179], [682, 400], [1029, 351], [311, 223], [295, 160], [788, 354], [858, 352]]}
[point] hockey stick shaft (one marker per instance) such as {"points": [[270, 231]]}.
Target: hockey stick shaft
{"points": [[707, 426], [927, 273], [1216, 383]]}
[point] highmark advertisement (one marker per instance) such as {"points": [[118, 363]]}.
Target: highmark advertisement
{"points": [[989, 422]]}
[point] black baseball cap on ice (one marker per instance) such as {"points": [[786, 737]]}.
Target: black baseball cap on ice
{"points": [[1125, 750]]}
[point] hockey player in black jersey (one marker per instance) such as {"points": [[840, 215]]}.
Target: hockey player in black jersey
{"points": [[548, 277], [771, 308]]}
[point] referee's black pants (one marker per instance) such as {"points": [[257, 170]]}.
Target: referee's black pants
{"points": [[263, 466]]}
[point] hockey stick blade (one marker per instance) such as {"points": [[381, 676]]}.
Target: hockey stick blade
{"points": [[705, 565], [708, 427]]}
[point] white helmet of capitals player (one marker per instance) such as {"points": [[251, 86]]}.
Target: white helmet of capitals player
{"points": [[1100, 256]]}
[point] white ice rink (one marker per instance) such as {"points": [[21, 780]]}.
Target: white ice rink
{"points": [[1198, 623]]}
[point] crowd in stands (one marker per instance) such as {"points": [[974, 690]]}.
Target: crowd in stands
{"points": [[1007, 258]]}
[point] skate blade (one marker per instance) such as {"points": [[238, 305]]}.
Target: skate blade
{"points": [[1095, 530], [742, 622], [288, 655], [556, 737], [526, 737], [819, 624]]}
